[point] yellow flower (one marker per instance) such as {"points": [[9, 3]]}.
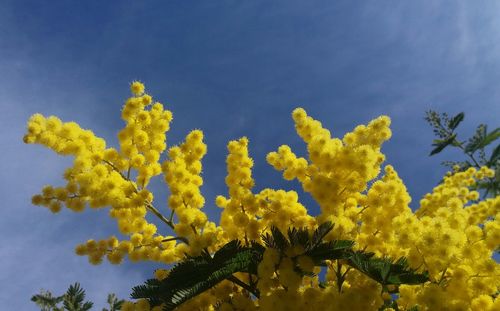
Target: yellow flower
{"points": [[137, 88]]}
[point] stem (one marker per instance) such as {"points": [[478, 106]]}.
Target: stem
{"points": [[345, 273], [183, 239], [340, 277], [244, 285], [441, 279], [194, 230], [363, 209], [460, 145], [116, 169], [159, 215], [246, 240], [423, 258], [171, 217], [341, 191], [180, 238], [205, 250], [471, 156], [149, 206]]}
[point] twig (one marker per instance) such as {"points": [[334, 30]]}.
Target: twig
{"points": [[244, 285]]}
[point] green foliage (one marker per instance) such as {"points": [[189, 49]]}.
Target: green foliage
{"points": [[474, 148], [115, 304], [72, 300], [46, 301], [195, 275], [385, 271], [313, 246], [74, 297]]}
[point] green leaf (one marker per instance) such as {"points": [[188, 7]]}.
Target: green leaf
{"points": [[299, 237], [386, 272], [337, 249], [74, 297], [495, 156], [321, 232], [114, 303], [442, 144], [455, 121], [46, 301], [476, 140], [491, 137], [276, 239], [195, 275]]}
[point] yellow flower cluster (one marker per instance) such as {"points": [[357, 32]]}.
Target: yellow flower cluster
{"points": [[338, 170], [283, 288], [103, 177], [245, 215], [448, 237], [452, 235], [143, 138], [454, 241], [183, 175]]}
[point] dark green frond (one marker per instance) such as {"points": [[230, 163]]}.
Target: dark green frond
{"points": [[321, 232], [455, 121], [276, 240], [227, 251], [384, 271], [337, 249], [476, 140], [442, 143], [198, 274], [114, 303], [495, 155], [299, 237], [87, 306], [46, 301], [74, 299]]}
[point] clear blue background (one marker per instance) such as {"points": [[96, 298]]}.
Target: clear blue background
{"points": [[230, 68]]}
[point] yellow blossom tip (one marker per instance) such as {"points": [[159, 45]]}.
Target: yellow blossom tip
{"points": [[137, 88], [299, 114]]}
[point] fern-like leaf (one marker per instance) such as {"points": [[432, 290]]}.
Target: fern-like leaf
{"points": [[276, 240], [74, 299], [299, 237], [46, 301], [384, 271], [195, 275], [337, 249], [320, 233]]}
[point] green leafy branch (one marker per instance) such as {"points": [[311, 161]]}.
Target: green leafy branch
{"points": [[194, 275], [72, 300], [445, 127]]}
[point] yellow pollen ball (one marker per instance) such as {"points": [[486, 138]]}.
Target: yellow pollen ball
{"points": [[137, 88]]}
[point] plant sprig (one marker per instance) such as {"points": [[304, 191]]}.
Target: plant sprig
{"points": [[474, 148]]}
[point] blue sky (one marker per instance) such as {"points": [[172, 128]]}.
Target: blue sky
{"points": [[230, 68]]}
